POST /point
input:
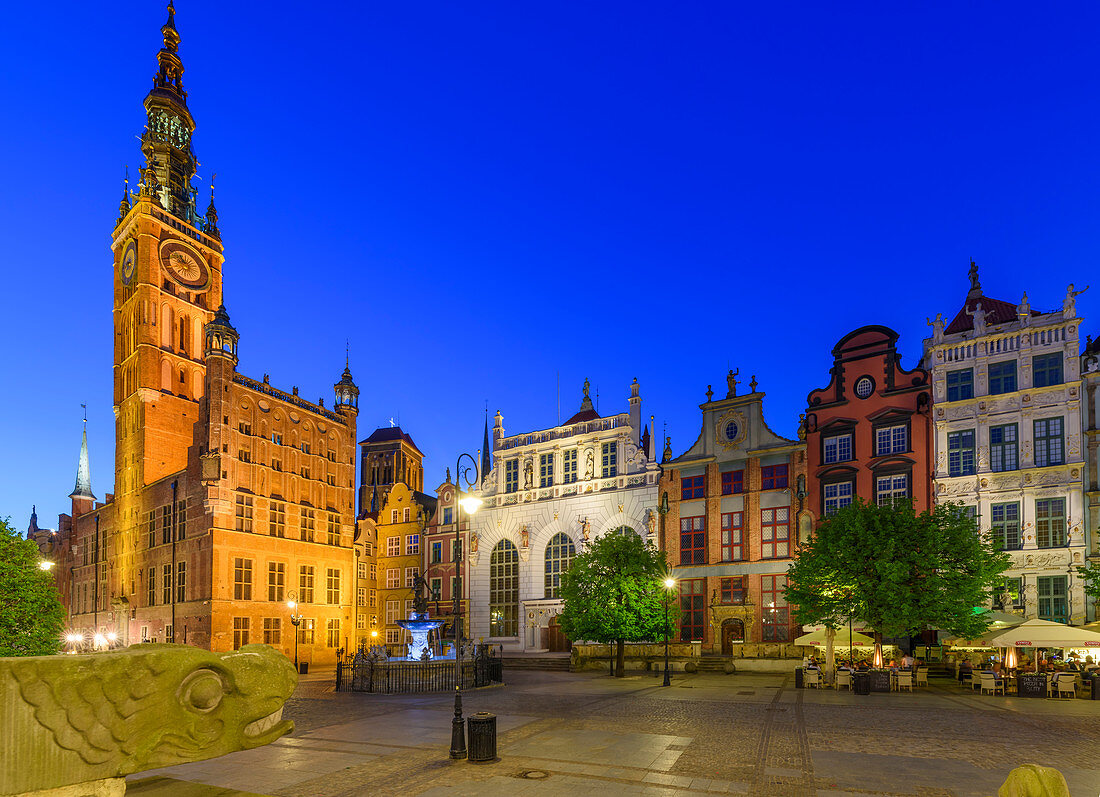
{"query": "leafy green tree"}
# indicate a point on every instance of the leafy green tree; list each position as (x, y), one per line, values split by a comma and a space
(31, 615)
(899, 571)
(614, 593)
(1090, 574)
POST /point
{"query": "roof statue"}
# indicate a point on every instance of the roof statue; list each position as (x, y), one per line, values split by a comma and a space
(731, 383)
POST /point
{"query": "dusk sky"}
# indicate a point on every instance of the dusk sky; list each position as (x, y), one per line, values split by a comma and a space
(484, 198)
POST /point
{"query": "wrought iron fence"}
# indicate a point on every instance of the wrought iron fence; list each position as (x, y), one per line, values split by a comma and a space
(361, 673)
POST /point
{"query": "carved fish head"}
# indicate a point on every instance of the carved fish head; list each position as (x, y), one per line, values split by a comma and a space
(154, 705)
(238, 698)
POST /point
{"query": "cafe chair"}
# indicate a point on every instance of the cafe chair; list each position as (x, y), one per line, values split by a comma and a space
(811, 678)
(990, 683)
(922, 677)
(905, 681)
(1066, 684)
(843, 680)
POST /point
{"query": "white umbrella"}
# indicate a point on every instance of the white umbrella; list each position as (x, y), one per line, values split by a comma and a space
(817, 639)
(1045, 634)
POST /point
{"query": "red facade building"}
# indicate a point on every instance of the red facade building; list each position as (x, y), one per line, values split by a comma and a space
(869, 431)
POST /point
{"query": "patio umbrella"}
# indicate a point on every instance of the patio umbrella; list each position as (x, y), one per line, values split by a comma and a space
(1045, 634)
(817, 639)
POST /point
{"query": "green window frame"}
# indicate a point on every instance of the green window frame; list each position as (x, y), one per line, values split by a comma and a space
(1003, 448)
(1005, 523)
(1050, 448)
(960, 384)
(1053, 597)
(1046, 370)
(1050, 523)
(1002, 377)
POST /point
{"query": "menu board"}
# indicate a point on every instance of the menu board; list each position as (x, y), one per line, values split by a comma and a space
(1033, 685)
(880, 680)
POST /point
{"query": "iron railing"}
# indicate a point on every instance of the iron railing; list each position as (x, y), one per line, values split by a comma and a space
(361, 673)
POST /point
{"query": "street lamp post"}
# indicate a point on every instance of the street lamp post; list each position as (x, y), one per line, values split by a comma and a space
(470, 504)
(295, 620)
(669, 584)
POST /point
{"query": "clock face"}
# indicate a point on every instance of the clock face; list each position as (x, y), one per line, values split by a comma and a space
(129, 261)
(184, 265)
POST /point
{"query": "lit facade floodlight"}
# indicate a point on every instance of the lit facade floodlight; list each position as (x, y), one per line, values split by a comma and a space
(470, 504)
(112, 636)
(45, 564)
(99, 640)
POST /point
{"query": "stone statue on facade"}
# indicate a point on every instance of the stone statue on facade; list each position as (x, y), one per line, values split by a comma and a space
(1069, 306)
(524, 536)
(731, 382)
(937, 327)
(586, 529)
(528, 474)
(979, 319)
(589, 464)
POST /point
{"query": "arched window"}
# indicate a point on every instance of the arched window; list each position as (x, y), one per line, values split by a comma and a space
(559, 555)
(166, 327)
(504, 590)
(185, 334)
(165, 375)
(626, 530)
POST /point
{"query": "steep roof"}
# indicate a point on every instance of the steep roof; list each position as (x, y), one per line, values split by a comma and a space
(996, 312)
(386, 434)
(584, 415)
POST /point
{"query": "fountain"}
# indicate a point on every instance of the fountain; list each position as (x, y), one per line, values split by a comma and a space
(419, 626)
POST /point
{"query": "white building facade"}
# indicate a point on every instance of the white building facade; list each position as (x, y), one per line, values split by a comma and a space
(548, 495)
(1007, 410)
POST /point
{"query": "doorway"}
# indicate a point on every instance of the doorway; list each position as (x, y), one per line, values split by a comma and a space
(557, 641)
(733, 633)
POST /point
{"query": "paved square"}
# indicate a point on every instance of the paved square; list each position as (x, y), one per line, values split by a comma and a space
(561, 733)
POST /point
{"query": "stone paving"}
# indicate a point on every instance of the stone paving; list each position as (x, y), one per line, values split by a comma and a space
(563, 733)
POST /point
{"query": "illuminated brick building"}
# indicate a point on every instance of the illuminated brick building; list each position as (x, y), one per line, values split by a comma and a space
(229, 493)
(731, 526)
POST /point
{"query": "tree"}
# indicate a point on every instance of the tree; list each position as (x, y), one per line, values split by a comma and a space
(31, 614)
(898, 571)
(1090, 575)
(614, 593)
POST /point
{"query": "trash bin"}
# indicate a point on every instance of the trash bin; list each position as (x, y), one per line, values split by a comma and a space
(303, 667)
(1095, 680)
(483, 737)
(799, 674)
(861, 683)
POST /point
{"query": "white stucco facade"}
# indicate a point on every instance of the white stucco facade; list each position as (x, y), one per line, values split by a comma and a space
(588, 477)
(1027, 491)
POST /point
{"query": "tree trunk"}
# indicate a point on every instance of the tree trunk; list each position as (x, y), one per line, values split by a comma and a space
(620, 658)
(830, 655)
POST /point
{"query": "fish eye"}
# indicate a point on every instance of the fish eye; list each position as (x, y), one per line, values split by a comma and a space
(202, 691)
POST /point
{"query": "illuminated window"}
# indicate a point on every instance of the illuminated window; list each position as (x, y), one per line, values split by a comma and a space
(546, 470)
(333, 633)
(305, 631)
(393, 546)
(733, 548)
(504, 590)
(411, 574)
(692, 609)
(1050, 523)
(560, 552)
(393, 577)
(240, 632)
(273, 630)
(511, 476)
(693, 540)
(837, 448)
(609, 459)
(1005, 520)
(775, 533)
(776, 615)
(891, 489)
(569, 466)
(305, 584)
(1053, 599)
(891, 439)
(412, 544)
(1003, 454)
(242, 579)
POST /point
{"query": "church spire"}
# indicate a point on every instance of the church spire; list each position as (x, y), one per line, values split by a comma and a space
(83, 487)
(211, 225)
(124, 205)
(486, 451)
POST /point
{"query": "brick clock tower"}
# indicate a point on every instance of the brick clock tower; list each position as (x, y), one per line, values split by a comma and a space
(167, 285)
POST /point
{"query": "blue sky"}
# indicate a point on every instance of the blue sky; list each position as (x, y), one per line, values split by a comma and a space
(483, 198)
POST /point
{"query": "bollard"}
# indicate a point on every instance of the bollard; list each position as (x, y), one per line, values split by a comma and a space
(482, 732)
(799, 674)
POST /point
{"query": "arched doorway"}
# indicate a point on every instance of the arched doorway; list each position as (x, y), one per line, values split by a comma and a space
(733, 633)
(557, 641)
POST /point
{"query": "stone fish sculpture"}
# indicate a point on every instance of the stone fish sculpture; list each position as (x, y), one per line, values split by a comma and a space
(73, 719)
